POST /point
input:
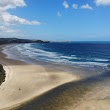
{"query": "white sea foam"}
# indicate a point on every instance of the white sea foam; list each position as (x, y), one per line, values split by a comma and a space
(39, 52)
(102, 60)
(68, 57)
(25, 50)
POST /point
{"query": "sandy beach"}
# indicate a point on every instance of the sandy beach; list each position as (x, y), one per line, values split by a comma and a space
(24, 82)
(35, 87)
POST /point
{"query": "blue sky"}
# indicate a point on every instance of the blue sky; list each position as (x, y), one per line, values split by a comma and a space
(72, 20)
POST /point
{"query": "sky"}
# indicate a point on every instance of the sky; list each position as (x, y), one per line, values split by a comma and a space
(56, 20)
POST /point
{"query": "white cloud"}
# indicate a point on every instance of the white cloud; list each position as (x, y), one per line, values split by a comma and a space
(9, 4)
(65, 4)
(75, 6)
(9, 19)
(7, 30)
(102, 2)
(59, 14)
(86, 6)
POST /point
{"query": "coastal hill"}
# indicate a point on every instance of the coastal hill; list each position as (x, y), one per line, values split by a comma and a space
(16, 40)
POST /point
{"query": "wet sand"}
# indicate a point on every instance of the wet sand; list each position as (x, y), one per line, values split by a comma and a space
(88, 94)
(54, 89)
(24, 81)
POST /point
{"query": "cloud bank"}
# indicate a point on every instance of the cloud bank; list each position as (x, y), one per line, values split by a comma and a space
(7, 19)
(10, 4)
(102, 2)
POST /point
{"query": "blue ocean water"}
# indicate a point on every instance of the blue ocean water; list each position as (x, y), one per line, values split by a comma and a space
(88, 54)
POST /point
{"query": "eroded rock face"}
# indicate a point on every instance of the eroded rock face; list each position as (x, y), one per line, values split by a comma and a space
(2, 74)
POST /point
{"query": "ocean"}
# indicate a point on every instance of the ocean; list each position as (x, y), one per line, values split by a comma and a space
(88, 61)
(82, 54)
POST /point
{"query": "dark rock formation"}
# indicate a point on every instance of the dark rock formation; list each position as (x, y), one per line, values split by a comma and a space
(2, 74)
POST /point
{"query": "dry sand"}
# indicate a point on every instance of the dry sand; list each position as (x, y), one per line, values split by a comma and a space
(24, 81)
(34, 87)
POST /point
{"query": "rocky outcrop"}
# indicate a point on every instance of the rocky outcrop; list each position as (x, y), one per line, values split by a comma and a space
(2, 74)
(16, 40)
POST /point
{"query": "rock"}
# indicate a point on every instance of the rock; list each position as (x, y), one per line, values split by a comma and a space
(2, 74)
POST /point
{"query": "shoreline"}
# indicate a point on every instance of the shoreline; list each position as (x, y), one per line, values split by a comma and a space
(81, 72)
(16, 91)
(40, 87)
